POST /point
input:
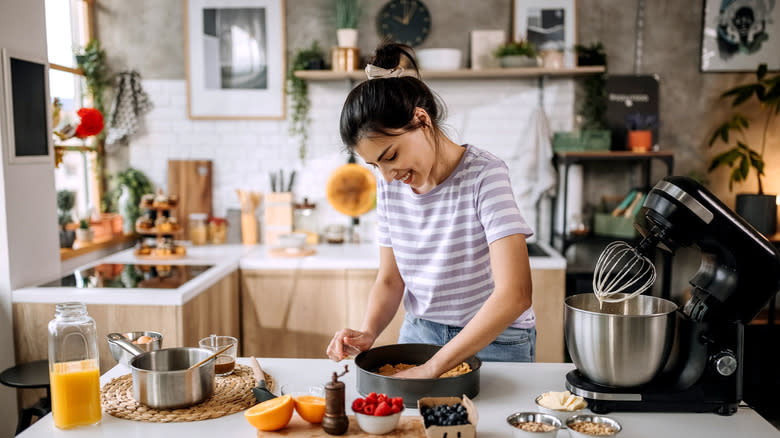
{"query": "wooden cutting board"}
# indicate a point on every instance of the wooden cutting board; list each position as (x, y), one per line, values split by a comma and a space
(408, 426)
(190, 180)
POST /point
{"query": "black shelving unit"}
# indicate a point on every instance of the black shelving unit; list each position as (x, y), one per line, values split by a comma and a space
(645, 159)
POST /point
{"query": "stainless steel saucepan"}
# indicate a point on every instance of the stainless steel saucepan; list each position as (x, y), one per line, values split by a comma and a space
(161, 378)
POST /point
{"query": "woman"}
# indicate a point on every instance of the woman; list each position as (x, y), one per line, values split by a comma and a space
(452, 240)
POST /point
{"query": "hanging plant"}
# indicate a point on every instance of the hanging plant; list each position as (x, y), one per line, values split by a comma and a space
(304, 59)
(92, 61)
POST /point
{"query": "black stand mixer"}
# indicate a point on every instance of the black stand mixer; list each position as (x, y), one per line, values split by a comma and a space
(738, 275)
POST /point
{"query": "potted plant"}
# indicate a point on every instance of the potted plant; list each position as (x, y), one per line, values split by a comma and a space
(83, 233)
(92, 61)
(125, 197)
(310, 58)
(517, 54)
(347, 19)
(759, 209)
(66, 199)
(640, 134)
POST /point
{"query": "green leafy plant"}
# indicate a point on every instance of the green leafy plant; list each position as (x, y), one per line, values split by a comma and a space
(593, 108)
(310, 58)
(516, 48)
(137, 185)
(84, 224)
(347, 14)
(92, 61)
(743, 157)
(66, 199)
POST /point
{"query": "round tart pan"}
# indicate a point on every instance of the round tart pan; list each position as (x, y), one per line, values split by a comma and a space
(411, 390)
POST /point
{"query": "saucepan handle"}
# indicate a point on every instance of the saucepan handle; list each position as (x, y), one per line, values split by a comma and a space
(124, 343)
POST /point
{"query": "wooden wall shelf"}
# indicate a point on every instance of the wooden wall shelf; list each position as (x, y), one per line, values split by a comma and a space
(490, 73)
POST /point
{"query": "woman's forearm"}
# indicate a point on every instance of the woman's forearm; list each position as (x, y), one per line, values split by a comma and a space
(383, 302)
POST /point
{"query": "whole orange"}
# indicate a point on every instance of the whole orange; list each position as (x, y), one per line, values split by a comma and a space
(272, 414)
(310, 407)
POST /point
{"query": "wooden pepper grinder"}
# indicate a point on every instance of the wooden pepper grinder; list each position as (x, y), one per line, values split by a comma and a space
(335, 421)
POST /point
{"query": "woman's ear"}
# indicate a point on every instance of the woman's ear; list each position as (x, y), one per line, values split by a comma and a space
(422, 117)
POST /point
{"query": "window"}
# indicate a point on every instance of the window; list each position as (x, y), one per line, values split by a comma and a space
(68, 25)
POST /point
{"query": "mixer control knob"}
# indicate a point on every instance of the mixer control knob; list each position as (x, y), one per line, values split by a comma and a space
(725, 363)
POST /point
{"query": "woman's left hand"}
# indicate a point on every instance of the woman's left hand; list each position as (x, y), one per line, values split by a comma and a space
(423, 371)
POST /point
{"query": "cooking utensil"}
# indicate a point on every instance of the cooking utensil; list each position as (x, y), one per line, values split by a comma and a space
(124, 357)
(622, 272)
(411, 390)
(211, 356)
(261, 390)
(161, 378)
(621, 344)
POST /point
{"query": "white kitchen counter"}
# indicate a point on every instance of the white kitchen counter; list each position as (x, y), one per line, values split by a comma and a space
(505, 388)
(226, 259)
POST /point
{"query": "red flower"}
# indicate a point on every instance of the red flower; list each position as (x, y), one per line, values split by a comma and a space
(91, 122)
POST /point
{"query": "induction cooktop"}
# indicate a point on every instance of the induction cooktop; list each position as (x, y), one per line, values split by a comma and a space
(130, 276)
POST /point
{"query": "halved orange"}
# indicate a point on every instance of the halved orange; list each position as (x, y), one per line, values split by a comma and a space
(272, 414)
(310, 407)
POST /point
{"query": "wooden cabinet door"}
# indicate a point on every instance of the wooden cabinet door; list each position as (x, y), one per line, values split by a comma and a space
(292, 313)
(359, 283)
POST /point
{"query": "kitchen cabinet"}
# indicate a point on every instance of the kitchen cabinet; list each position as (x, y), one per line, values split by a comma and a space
(294, 313)
(215, 310)
(645, 160)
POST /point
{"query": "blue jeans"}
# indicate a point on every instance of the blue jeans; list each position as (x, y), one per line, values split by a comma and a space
(512, 345)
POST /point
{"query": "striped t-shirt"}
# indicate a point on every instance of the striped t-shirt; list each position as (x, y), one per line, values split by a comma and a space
(440, 239)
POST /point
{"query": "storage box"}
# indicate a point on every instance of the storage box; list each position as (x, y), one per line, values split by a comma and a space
(461, 430)
(580, 141)
(604, 224)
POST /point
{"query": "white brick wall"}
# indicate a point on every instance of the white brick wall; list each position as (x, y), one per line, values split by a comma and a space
(492, 114)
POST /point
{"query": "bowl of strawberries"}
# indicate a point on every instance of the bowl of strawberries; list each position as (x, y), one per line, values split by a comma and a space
(377, 414)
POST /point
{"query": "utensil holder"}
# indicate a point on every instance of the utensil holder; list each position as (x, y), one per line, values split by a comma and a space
(278, 216)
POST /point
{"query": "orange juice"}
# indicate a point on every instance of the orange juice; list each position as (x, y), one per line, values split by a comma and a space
(75, 393)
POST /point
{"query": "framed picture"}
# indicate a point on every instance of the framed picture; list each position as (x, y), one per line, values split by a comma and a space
(547, 24)
(25, 81)
(235, 55)
(738, 35)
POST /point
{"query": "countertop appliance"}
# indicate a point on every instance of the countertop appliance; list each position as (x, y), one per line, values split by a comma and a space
(129, 276)
(738, 275)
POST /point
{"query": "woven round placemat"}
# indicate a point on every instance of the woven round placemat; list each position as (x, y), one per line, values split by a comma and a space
(232, 394)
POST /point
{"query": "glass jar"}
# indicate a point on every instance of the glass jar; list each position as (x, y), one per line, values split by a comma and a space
(74, 369)
(305, 221)
(218, 230)
(198, 231)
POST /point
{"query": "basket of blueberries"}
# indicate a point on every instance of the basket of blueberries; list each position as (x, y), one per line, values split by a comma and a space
(448, 416)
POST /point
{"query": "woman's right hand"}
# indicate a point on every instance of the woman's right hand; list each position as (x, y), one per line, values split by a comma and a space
(348, 342)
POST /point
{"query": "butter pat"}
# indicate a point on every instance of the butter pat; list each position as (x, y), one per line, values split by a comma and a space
(562, 401)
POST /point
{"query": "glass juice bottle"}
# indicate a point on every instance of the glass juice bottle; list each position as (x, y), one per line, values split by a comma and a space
(74, 371)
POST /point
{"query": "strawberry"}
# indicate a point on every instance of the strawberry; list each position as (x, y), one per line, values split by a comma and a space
(369, 409)
(383, 409)
(358, 405)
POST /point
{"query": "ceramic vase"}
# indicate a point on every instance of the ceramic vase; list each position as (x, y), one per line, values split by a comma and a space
(347, 37)
(640, 141)
(127, 210)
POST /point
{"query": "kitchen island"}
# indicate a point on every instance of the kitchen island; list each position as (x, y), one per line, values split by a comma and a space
(505, 388)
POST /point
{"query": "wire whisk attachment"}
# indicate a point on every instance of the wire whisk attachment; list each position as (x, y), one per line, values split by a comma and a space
(622, 269)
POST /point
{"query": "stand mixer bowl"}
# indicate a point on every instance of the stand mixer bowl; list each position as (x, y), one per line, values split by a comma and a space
(623, 344)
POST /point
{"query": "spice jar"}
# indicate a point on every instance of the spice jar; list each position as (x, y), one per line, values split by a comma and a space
(74, 373)
(198, 232)
(217, 230)
(305, 221)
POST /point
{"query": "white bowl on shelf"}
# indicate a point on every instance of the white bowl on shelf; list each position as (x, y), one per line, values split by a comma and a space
(292, 241)
(439, 59)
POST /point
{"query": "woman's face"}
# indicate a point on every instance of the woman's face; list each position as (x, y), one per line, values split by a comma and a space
(408, 157)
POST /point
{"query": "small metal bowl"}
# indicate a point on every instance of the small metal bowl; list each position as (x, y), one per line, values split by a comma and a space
(559, 414)
(597, 419)
(123, 357)
(518, 418)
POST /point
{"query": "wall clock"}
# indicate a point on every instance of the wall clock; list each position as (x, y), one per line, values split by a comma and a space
(404, 21)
